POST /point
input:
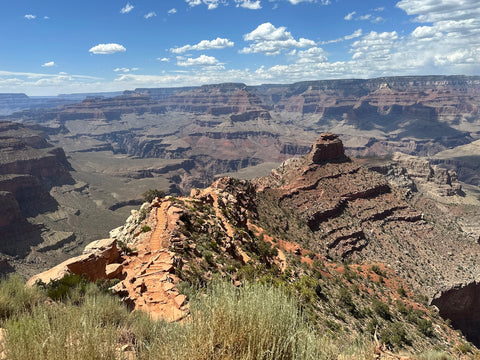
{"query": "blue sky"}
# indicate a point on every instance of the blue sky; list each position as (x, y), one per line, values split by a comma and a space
(49, 47)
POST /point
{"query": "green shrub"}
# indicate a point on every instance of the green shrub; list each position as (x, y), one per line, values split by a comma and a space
(394, 335)
(146, 228)
(372, 326)
(255, 322)
(125, 248)
(381, 309)
(209, 258)
(348, 273)
(151, 194)
(345, 300)
(401, 291)
(463, 348)
(62, 288)
(305, 288)
(376, 269)
(53, 332)
(425, 327)
(265, 250)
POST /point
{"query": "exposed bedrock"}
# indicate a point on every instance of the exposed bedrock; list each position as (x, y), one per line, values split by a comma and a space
(294, 149)
(29, 168)
(343, 209)
(461, 304)
(328, 147)
(438, 180)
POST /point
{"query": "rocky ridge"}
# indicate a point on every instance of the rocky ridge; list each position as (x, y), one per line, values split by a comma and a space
(325, 207)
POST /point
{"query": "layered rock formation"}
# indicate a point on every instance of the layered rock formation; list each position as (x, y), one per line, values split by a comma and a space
(324, 206)
(269, 123)
(10, 103)
(342, 209)
(327, 148)
(29, 167)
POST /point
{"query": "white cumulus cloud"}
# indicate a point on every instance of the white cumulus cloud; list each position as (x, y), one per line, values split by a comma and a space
(357, 33)
(202, 60)
(375, 46)
(125, 70)
(127, 8)
(49, 64)
(270, 40)
(110, 48)
(312, 55)
(163, 59)
(214, 44)
(323, 2)
(30, 16)
(172, 11)
(211, 4)
(440, 10)
(249, 4)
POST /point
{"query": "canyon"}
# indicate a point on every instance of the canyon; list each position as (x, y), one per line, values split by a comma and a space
(410, 198)
(320, 211)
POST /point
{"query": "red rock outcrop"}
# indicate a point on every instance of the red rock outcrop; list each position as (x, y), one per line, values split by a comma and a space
(93, 263)
(328, 147)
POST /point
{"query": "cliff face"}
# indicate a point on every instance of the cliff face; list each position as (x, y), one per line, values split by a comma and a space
(25, 151)
(10, 103)
(29, 167)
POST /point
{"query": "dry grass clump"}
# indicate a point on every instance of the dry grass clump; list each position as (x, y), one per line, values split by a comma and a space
(15, 298)
(88, 331)
(250, 323)
(253, 322)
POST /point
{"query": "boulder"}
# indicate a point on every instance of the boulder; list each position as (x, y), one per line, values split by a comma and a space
(91, 265)
(106, 248)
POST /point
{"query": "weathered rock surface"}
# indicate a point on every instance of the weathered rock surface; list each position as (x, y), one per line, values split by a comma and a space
(461, 304)
(106, 248)
(29, 167)
(93, 263)
(328, 147)
(464, 160)
(342, 209)
(437, 180)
